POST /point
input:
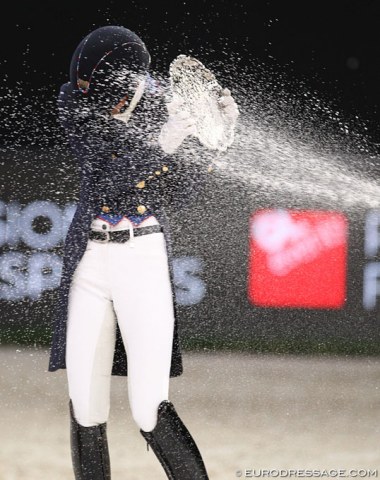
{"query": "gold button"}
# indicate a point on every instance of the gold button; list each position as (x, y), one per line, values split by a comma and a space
(141, 209)
(165, 168)
(210, 168)
(157, 172)
(105, 209)
(141, 184)
(113, 156)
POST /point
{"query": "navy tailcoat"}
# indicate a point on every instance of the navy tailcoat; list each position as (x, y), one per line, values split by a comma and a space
(123, 167)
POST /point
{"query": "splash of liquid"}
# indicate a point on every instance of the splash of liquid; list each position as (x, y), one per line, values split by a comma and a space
(289, 145)
(294, 146)
(268, 159)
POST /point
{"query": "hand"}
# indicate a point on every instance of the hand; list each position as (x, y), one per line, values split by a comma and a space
(177, 128)
(228, 104)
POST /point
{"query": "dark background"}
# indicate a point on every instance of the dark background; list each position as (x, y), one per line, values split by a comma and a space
(331, 48)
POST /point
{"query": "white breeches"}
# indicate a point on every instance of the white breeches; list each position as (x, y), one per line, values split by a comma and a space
(130, 280)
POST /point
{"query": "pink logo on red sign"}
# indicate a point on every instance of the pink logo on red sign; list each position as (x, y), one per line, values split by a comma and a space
(298, 259)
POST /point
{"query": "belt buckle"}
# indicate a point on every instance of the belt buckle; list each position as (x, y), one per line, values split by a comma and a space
(107, 239)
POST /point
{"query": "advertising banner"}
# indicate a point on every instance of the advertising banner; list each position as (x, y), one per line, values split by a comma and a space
(269, 275)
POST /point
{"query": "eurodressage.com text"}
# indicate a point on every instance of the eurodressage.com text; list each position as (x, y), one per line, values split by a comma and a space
(302, 473)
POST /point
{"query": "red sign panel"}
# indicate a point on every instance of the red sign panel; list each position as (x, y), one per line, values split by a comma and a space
(297, 259)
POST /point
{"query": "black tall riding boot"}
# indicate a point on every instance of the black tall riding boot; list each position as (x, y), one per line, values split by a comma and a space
(174, 446)
(89, 451)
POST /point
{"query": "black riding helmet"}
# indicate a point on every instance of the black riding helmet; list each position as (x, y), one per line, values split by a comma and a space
(107, 65)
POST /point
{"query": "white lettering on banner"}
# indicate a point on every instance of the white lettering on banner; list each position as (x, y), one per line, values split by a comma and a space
(371, 276)
(18, 223)
(372, 234)
(371, 285)
(9, 228)
(43, 241)
(190, 287)
(13, 276)
(289, 243)
(28, 275)
(44, 273)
